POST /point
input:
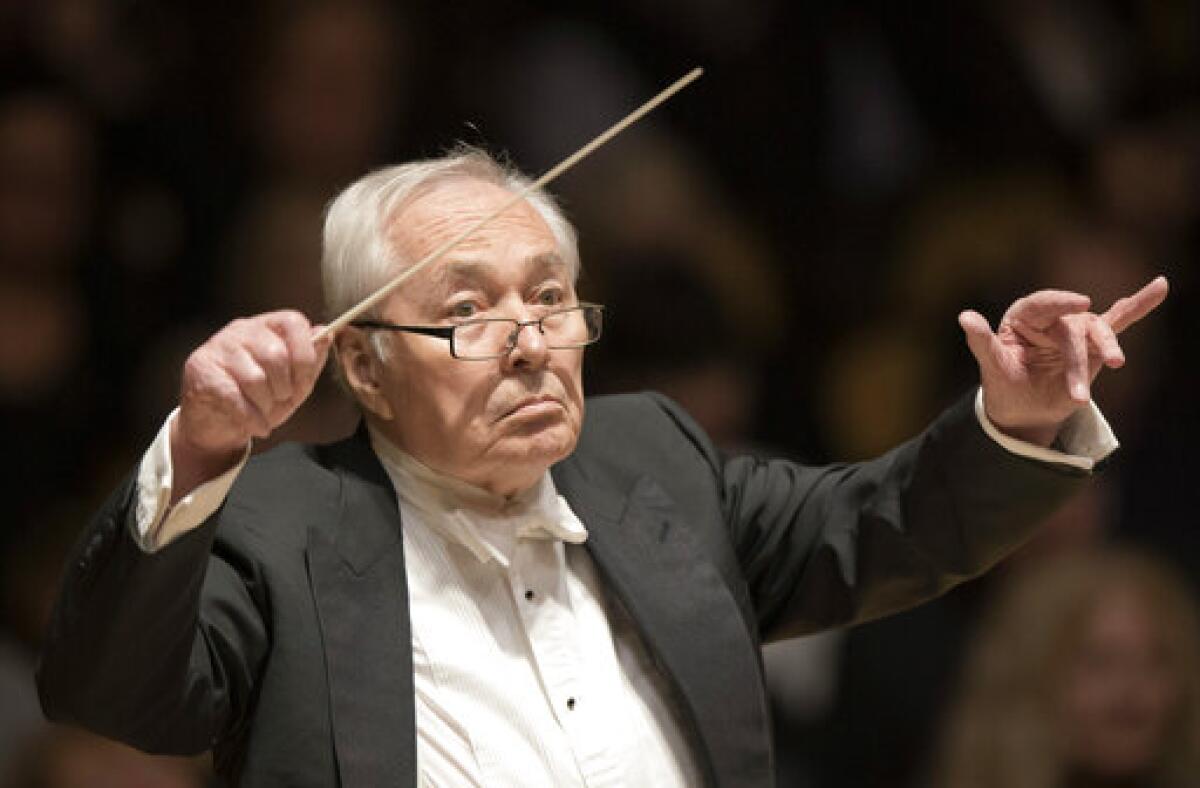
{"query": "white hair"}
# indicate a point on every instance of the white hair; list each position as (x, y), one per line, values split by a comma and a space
(357, 254)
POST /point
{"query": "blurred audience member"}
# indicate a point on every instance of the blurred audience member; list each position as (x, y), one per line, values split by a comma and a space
(275, 255)
(574, 81)
(680, 208)
(48, 382)
(686, 346)
(1085, 675)
(1146, 178)
(971, 238)
(969, 241)
(99, 48)
(890, 356)
(45, 168)
(329, 92)
(47, 163)
(875, 138)
(1074, 56)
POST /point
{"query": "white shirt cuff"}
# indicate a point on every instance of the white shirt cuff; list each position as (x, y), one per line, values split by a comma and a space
(157, 523)
(1085, 438)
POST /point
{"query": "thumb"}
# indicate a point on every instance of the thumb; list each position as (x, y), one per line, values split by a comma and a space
(312, 370)
(322, 339)
(979, 336)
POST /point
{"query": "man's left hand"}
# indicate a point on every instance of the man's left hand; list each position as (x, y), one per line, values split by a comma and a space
(1037, 368)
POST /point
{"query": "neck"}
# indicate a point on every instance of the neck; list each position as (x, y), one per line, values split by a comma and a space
(487, 498)
(514, 487)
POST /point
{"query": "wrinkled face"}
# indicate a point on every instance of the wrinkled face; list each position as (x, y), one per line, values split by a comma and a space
(1120, 691)
(501, 423)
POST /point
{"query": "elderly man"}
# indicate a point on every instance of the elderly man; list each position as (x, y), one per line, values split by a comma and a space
(484, 586)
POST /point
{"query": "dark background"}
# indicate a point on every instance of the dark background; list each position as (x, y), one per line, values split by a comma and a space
(784, 247)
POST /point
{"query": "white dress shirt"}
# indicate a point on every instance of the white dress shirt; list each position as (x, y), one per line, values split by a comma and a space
(526, 673)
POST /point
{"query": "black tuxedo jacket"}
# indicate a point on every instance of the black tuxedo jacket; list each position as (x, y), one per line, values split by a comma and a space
(277, 633)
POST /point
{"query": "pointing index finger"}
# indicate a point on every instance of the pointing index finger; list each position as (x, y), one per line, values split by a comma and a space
(1130, 309)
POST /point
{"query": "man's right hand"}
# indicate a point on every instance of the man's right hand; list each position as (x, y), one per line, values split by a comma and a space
(242, 383)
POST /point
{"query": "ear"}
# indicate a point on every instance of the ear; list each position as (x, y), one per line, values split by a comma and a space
(363, 372)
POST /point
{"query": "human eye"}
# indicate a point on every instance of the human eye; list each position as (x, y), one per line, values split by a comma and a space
(463, 309)
(551, 296)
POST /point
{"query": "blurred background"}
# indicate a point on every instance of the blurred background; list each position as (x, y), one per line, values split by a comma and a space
(783, 248)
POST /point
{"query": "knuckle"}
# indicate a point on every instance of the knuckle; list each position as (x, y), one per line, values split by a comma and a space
(200, 370)
(290, 320)
(227, 390)
(294, 318)
(253, 375)
(275, 353)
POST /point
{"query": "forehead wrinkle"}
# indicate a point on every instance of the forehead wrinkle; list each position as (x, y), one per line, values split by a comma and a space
(451, 205)
(438, 214)
(420, 225)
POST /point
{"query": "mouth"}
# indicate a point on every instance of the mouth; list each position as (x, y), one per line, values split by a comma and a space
(533, 407)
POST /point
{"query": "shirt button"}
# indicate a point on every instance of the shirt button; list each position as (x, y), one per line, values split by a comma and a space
(529, 595)
(571, 704)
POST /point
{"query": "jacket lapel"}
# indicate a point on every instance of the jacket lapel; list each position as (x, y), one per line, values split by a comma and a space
(358, 581)
(687, 617)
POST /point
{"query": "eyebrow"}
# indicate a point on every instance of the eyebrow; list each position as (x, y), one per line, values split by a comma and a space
(471, 270)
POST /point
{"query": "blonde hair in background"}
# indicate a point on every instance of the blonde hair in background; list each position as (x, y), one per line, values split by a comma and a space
(1001, 731)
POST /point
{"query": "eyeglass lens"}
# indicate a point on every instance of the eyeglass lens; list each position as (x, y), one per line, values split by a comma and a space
(569, 328)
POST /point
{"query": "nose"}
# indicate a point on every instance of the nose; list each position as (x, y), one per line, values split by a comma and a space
(529, 347)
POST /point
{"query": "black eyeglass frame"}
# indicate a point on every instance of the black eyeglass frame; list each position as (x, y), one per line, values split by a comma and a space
(447, 332)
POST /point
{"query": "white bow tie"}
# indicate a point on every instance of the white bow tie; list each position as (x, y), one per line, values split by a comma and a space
(494, 537)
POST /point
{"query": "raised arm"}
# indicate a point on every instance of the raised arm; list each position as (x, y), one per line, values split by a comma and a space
(159, 644)
(828, 546)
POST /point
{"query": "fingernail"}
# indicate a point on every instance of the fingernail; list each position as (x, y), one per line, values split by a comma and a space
(1079, 392)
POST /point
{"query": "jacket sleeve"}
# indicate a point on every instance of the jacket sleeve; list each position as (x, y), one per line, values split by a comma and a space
(821, 547)
(159, 650)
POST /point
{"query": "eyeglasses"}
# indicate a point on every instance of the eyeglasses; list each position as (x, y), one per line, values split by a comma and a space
(494, 337)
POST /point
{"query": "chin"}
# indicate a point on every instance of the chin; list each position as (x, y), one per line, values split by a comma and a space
(544, 446)
(520, 458)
